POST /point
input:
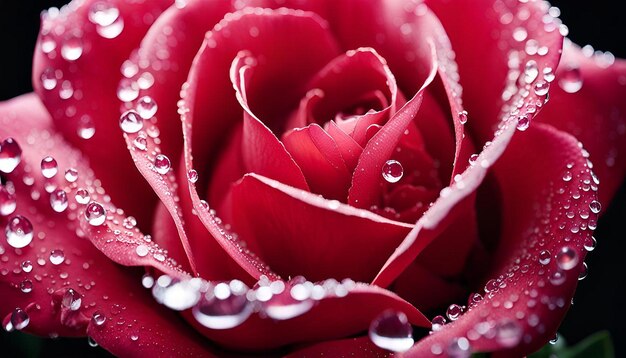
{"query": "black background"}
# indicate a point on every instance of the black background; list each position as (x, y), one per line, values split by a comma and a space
(600, 302)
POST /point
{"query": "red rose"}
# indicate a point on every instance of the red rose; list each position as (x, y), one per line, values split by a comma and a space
(409, 146)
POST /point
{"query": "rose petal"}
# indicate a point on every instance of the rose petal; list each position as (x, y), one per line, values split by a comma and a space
(594, 113)
(213, 116)
(84, 67)
(36, 278)
(298, 228)
(524, 307)
(351, 311)
(361, 346)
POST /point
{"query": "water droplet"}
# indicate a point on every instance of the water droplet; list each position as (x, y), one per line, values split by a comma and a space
(557, 278)
(111, 31)
(57, 257)
(541, 88)
(508, 333)
(26, 286)
(134, 337)
(86, 128)
(131, 122)
(71, 175)
(224, 307)
(392, 331)
(58, 201)
(92, 342)
(71, 300)
(142, 250)
(103, 13)
(19, 232)
(192, 176)
(82, 196)
(463, 117)
(95, 214)
(459, 348)
(544, 257)
(27, 266)
(567, 258)
(583, 272)
(127, 90)
(177, 294)
(531, 71)
(140, 143)
(8, 203)
(10, 155)
(98, 318)
(48, 44)
(473, 158)
(162, 164)
(48, 79)
(437, 323)
(146, 107)
(590, 243)
(571, 80)
(72, 48)
(19, 319)
(555, 339)
(523, 122)
(49, 167)
(453, 312)
(392, 171)
(147, 281)
(595, 206)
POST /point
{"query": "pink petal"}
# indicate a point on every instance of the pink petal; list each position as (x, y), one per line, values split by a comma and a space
(594, 113)
(300, 233)
(84, 68)
(36, 278)
(361, 347)
(524, 307)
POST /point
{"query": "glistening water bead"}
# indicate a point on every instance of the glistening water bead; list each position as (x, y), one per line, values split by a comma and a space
(8, 203)
(49, 167)
(162, 164)
(19, 232)
(146, 107)
(392, 331)
(10, 155)
(131, 122)
(95, 214)
(392, 171)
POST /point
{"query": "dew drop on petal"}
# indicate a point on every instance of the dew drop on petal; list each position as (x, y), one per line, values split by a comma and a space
(595, 206)
(590, 243)
(162, 164)
(192, 176)
(71, 300)
(392, 171)
(95, 214)
(58, 201)
(27, 266)
(57, 257)
(98, 318)
(541, 88)
(140, 143)
(531, 71)
(8, 203)
(131, 122)
(523, 122)
(19, 232)
(177, 294)
(463, 117)
(82, 196)
(571, 80)
(544, 257)
(26, 286)
(146, 107)
(453, 312)
(567, 258)
(583, 272)
(111, 31)
(72, 48)
(49, 167)
(19, 319)
(92, 342)
(127, 90)
(103, 13)
(224, 307)
(437, 323)
(392, 331)
(48, 79)
(10, 155)
(71, 175)
(142, 250)
(86, 128)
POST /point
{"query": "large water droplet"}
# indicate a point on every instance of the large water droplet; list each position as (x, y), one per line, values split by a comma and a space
(72, 48)
(162, 164)
(541, 88)
(103, 13)
(98, 318)
(590, 243)
(392, 331)
(111, 31)
(392, 171)
(19, 319)
(595, 206)
(523, 122)
(437, 323)
(140, 142)
(82, 196)
(544, 257)
(127, 90)
(131, 122)
(71, 300)
(26, 286)
(57, 257)
(10, 155)
(85, 128)
(226, 306)
(567, 258)
(95, 214)
(8, 203)
(146, 107)
(71, 175)
(192, 176)
(176, 294)
(571, 80)
(48, 78)
(19, 232)
(49, 167)
(27, 266)
(58, 201)
(454, 311)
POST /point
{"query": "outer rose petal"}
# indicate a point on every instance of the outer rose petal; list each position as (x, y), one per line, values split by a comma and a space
(85, 89)
(524, 307)
(595, 114)
(361, 347)
(101, 284)
(330, 318)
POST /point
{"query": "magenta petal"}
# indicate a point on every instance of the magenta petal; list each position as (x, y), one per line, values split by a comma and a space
(361, 347)
(522, 309)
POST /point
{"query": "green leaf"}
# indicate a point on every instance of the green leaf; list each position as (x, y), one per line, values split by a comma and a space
(598, 345)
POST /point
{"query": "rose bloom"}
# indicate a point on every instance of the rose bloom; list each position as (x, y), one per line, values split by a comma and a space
(300, 177)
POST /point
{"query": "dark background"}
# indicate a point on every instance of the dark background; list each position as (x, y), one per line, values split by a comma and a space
(600, 299)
